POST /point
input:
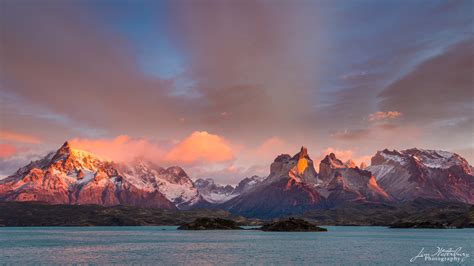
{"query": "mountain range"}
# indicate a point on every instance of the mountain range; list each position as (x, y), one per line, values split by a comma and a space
(76, 177)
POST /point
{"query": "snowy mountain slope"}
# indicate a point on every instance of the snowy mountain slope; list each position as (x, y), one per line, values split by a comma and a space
(71, 176)
(417, 173)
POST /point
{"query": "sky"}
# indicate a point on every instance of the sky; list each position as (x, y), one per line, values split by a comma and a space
(223, 87)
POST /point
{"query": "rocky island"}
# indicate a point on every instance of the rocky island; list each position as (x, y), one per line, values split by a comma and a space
(210, 224)
(292, 225)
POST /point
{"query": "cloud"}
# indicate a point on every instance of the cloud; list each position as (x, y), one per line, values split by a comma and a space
(440, 88)
(22, 156)
(353, 75)
(234, 54)
(18, 137)
(7, 150)
(271, 147)
(353, 134)
(201, 147)
(41, 64)
(378, 116)
(120, 148)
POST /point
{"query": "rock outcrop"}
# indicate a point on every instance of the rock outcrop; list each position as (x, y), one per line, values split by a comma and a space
(292, 225)
(210, 224)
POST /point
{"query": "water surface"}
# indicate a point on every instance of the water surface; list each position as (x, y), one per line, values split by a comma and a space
(167, 246)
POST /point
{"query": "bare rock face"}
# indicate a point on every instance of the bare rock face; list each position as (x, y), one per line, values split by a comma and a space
(344, 182)
(327, 167)
(299, 168)
(339, 191)
(71, 176)
(430, 174)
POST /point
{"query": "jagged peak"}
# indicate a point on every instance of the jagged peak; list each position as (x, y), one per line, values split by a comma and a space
(302, 158)
(66, 145)
(332, 160)
(68, 159)
(176, 170)
(63, 151)
(303, 152)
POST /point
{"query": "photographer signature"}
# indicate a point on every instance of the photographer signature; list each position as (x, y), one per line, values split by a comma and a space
(442, 255)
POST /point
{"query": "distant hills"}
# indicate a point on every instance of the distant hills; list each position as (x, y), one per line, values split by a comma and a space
(293, 187)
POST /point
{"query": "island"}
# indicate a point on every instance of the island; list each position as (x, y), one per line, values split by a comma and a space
(210, 224)
(292, 225)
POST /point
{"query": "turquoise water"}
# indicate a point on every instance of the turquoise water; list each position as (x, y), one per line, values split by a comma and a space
(164, 245)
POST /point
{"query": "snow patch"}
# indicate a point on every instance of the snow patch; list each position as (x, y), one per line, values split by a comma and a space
(379, 171)
(88, 176)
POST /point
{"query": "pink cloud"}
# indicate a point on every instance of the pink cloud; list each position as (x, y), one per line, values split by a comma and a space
(121, 148)
(7, 150)
(18, 137)
(271, 147)
(377, 116)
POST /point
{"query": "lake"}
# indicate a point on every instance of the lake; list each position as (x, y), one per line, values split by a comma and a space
(165, 245)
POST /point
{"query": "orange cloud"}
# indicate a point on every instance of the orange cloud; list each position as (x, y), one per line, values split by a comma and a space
(377, 116)
(200, 146)
(7, 150)
(197, 147)
(18, 137)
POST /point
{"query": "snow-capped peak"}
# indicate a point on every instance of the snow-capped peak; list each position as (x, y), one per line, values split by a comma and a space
(427, 158)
